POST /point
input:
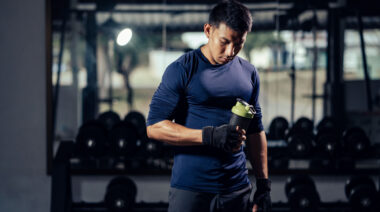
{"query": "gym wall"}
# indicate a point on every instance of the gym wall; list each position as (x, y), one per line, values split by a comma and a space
(24, 185)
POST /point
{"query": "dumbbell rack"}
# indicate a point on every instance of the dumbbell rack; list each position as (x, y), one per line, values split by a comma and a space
(61, 199)
(100, 207)
(162, 207)
(61, 195)
(354, 166)
(338, 165)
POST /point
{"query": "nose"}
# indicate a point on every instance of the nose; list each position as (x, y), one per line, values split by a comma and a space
(230, 50)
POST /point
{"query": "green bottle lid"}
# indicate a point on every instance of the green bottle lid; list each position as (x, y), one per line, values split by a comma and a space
(243, 109)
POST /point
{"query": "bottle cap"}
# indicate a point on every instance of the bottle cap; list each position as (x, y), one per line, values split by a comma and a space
(243, 109)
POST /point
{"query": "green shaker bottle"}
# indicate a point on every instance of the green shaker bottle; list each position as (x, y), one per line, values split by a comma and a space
(242, 114)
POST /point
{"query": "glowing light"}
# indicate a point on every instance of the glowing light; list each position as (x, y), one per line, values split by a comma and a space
(124, 37)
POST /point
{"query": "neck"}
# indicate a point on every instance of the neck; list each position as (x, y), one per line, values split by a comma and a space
(206, 52)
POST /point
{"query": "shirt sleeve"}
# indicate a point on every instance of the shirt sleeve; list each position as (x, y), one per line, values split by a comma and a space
(256, 123)
(168, 94)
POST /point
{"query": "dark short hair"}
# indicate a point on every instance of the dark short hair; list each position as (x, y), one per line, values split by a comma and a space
(233, 13)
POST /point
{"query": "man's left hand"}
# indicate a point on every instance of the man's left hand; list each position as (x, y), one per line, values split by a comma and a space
(261, 199)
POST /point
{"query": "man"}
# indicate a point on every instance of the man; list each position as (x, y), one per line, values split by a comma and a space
(191, 110)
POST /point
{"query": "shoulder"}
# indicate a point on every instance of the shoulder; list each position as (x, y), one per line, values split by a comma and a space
(188, 59)
(180, 70)
(185, 63)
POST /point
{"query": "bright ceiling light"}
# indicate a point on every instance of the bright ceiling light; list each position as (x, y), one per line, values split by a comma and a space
(124, 37)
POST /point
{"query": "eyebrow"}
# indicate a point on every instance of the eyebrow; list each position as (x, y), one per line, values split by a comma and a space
(240, 42)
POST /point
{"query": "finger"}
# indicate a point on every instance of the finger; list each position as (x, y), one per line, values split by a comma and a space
(255, 207)
(232, 128)
(243, 137)
(242, 131)
(235, 136)
(238, 137)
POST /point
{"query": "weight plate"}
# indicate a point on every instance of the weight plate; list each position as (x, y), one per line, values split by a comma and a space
(303, 198)
(109, 119)
(118, 201)
(277, 128)
(363, 197)
(300, 145)
(327, 123)
(91, 139)
(357, 181)
(120, 195)
(153, 148)
(356, 141)
(298, 180)
(124, 139)
(304, 125)
(327, 141)
(138, 120)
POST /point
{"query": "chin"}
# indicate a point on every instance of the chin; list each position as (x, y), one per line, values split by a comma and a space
(224, 61)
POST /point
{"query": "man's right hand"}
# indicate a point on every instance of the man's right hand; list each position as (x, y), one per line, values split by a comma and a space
(226, 137)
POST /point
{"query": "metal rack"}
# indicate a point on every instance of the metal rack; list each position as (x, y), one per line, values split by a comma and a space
(61, 200)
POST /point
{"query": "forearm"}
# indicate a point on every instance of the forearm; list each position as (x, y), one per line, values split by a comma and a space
(174, 134)
(257, 154)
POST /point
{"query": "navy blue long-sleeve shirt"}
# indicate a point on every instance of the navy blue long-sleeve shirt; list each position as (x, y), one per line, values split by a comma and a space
(195, 93)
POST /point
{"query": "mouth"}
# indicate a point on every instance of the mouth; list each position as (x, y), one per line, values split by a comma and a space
(226, 59)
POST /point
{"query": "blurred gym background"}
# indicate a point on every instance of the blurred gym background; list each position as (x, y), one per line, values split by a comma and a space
(77, 77)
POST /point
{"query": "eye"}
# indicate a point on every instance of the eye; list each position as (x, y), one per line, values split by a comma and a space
(223, 42)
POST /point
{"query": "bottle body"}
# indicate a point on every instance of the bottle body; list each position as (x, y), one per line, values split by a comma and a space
(242, 114)
(240, 121)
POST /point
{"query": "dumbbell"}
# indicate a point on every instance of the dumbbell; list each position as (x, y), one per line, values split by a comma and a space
(153, 148)
(138, 120)
(301, 193)
(356, 141)
(124, 139)
(277, 158)
(361, 193)
(327, 141)
(300, 145)
(120, 195)
(303, 124)
(109, 119)
(327, 123)
(92, 139)
(300, 138)
(277, 128)
(328, 136)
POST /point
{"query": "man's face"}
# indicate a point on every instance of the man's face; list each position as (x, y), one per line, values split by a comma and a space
(224, 43)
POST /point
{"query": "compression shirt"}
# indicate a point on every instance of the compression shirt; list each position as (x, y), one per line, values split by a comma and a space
(195, 93)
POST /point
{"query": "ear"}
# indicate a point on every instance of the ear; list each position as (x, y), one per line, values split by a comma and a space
(207, 30)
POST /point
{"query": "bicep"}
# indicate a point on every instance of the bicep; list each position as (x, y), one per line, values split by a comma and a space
(256, 123)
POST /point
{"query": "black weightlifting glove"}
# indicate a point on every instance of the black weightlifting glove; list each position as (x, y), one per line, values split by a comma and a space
(224, 137)
(262, 195)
